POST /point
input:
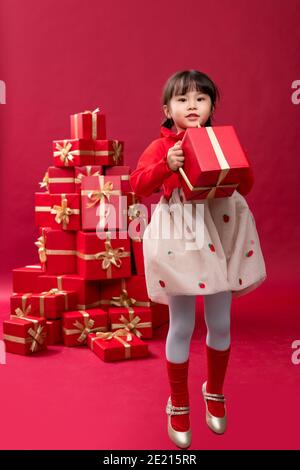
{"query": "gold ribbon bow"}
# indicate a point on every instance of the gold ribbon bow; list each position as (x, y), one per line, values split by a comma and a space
(97, 110)
(116, 335)
(117, 148)
(45, 182)
(20, 312)
(84, 328)
(79, 177)
(132, 324)
(38, 337)
(123, 300)
(62, 212)
(64, 152)
(100, 195)
(41, 244)
(134, 212)
(111, 256)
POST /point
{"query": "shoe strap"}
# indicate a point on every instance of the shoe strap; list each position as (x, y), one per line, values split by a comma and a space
(177, 410)
(214, 397)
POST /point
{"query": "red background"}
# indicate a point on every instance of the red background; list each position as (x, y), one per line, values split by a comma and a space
(58, 57)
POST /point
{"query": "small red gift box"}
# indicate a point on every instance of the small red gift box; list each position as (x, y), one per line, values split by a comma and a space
(136, 320)
(117, 345)
(215, 163)
(24, 335)
(88, 125)
(109, 152)
(65, 211)
(83, 171)
(61, 180)
(123, 172)
(57, 251)
(25, 279)
(105, 255)
(79, 324)
(100, 201)
(42, 209)
(20, 304)
(88, 292)
(73, 152)
(54, 331)
(51, 304)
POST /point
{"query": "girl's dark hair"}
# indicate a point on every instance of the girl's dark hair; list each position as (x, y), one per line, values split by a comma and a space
(181, 82)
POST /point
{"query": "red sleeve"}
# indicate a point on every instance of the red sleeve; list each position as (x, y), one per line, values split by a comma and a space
(151, 171)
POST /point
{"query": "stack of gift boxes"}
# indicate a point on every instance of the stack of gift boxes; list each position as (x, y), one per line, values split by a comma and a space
(89, 287)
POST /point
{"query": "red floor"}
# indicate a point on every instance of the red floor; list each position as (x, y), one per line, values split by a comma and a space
(68, 398)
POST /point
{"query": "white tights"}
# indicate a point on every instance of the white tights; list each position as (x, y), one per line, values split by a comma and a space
(182, 322)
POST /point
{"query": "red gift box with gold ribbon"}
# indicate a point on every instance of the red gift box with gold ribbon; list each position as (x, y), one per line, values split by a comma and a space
(61, 180)
(57, 251)
(21, 305)
(52, 303)
(107, 257)
(215, 163)
(77, 325)
(83, 171)
(109, 152)
(136, 320)
(24, 335)
(25, 279)
(101, 203)
(88, 125)
(123, 172)
(73, 152)
(42, 208)
(65, 211)
(117, 345)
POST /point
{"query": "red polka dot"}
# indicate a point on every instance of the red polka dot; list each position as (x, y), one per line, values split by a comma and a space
(201, 285)
(240, 281)
(226, 218)
(211, 246)
(252, 242)
(162, 283)
(249, 253)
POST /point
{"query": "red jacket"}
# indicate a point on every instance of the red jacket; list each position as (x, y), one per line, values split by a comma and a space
(152, 171)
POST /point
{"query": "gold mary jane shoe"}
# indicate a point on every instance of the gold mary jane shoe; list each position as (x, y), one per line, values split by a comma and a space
(215, 423)
(181, 439)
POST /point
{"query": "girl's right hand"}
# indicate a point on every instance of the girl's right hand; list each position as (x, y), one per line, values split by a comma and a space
(175, 157)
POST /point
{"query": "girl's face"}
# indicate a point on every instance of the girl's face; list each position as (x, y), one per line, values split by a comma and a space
(189, 110)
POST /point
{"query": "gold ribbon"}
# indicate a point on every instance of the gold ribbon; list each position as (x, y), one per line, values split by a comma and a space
(94, 122)
(64, 152)
(124, 300)
(63, 212)
(36, 337)
(115, 335)
(43, 252)
(117, 148)
(54, 291)
(132, 324)
(85, 328)
(23, 311)
(224, 165)
(45, 182)
(79, 177)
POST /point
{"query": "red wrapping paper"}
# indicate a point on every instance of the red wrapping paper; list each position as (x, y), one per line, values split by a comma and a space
(54, 331)
(88, 125)
(21, 304)
(109, 152)
(25, 279)
(215, 163)
(51, 304)
(138, 256)
(65, 211)
(24, 335)
(136, 320)
(77, 325)
(118, 348)
(83, 171)
(104, 258)
(123, 172)
(73, 152)
(57, 251)
(137, 216)
(42, 209)
(101, 203)
(61, 180)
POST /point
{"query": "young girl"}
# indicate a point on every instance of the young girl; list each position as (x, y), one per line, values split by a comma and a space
(228, 263)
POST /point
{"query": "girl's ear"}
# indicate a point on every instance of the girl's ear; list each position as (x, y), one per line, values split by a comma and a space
(166, 111)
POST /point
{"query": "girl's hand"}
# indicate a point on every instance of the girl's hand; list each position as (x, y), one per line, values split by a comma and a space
(175, 157)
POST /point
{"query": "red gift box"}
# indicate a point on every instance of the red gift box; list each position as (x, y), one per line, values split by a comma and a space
(57, 251)
(109, 152)
(100, 202)
(83, 171)
(61, 180)
(73, 152)
(79, 324)
(51, 304)
(54, 331)
(42, 209)
(136, 320)
(25, 335)
(117, 345)
(65, 211)
(123, 172)
(25, 279)
(88, 125)
(103, 258)
(88, 292)
(20, 305)
(132, 292)
(215, 163)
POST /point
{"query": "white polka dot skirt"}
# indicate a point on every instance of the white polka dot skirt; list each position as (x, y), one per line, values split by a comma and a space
(202, 247)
